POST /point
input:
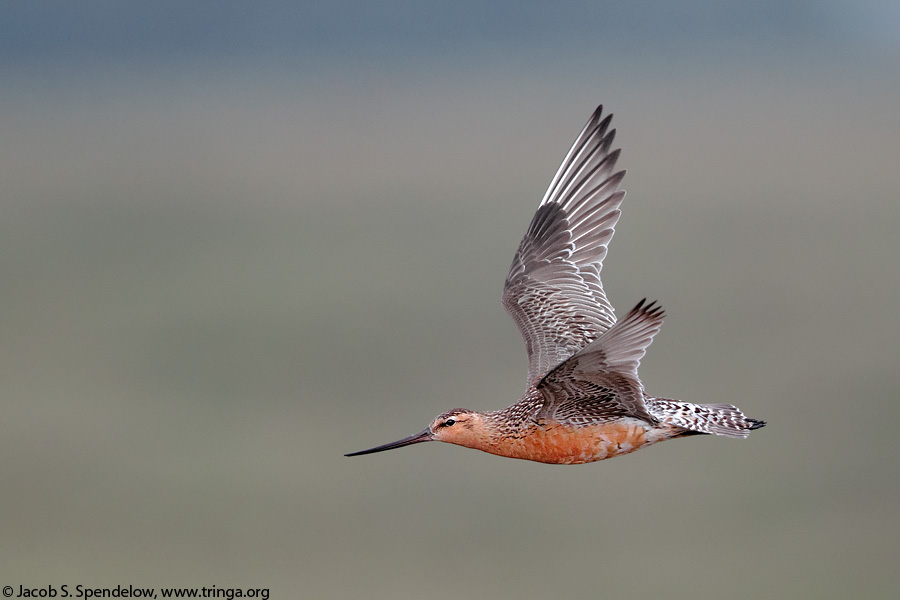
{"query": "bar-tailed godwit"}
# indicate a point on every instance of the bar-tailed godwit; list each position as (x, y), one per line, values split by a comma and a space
(584, 401)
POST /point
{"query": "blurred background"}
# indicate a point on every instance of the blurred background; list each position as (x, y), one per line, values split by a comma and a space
(239, 240)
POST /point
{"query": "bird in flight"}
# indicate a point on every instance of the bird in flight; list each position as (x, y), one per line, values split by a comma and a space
(584, 400)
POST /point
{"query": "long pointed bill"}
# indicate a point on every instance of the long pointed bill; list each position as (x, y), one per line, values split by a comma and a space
(422, 436)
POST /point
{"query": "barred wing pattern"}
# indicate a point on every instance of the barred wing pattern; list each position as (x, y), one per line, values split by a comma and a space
(553, 291)
(600, 382)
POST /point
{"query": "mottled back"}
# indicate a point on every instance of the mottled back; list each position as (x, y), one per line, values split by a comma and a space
(600, 383)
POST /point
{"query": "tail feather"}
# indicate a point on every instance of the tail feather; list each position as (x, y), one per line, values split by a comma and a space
(718, 419)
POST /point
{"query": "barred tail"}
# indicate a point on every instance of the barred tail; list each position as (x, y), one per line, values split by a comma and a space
(720, 419)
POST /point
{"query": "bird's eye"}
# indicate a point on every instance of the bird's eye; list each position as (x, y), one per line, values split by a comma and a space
(449, 422)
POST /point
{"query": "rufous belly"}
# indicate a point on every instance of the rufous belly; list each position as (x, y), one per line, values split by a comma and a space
(569, 445)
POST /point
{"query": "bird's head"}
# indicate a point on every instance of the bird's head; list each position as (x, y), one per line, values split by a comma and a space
(458, 426)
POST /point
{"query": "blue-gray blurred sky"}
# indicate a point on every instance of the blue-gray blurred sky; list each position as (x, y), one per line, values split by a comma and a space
(331, 34)
(240, 239)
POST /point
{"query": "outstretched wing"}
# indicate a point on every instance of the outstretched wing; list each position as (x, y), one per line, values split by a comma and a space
(553, 291)
(600, 382)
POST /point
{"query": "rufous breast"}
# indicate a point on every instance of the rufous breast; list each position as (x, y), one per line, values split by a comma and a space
(550, 442)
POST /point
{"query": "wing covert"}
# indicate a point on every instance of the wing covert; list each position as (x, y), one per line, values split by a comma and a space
(600, 382)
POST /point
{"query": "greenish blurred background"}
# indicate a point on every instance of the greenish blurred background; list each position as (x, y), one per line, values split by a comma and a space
(239, 240)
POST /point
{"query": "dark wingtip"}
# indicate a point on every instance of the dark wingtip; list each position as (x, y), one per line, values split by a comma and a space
(653, 309)
(756, 424)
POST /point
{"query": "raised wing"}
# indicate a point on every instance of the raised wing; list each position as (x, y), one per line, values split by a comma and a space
(553, 291)
(600, 382)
